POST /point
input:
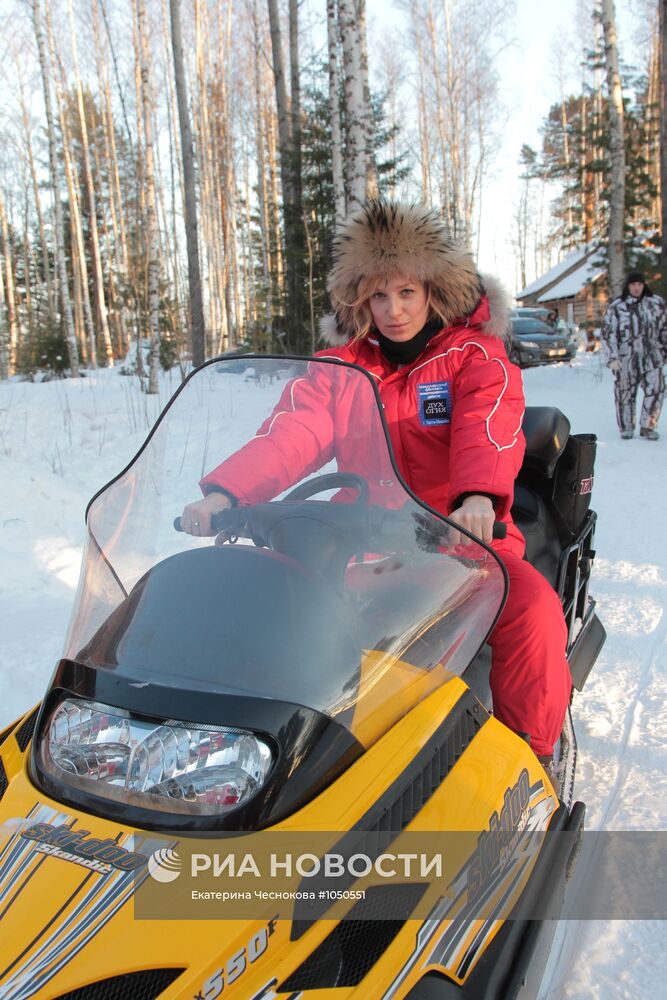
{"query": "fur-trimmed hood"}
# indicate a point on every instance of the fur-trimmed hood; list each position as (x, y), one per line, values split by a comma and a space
(387, 238)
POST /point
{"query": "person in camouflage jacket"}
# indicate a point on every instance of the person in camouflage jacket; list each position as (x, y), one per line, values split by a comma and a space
(634, 336)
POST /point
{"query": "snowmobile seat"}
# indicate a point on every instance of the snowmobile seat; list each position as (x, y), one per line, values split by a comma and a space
(532, 518)
(546, 430)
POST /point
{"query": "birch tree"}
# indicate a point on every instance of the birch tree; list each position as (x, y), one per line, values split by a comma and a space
(44, 249)
(66, 306)
(663, 138)
(152, 236)
(458, 50)
(290, 158)
(617, 142)
(197, 328)
(4, 333)
(355, 109)
(334, 101)
(10, 338)
(96, 262)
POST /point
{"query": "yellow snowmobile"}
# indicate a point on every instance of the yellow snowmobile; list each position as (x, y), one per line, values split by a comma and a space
(269, 768)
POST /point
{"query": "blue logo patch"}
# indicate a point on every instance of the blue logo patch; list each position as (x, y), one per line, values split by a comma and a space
(435, 403)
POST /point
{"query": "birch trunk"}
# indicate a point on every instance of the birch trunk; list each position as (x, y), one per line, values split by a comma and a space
(371, 170)
(83, 315)
(290, 175)
(274, 213)
(295, 109)
(117, 251)
(30, 266)
(284, 132)
(356, 165)
(70, 336)
(334, 104)
(217, 322)
(424, 130)
(4, 333)
(96, 263)
(652, 141)
(9, 292)
(197, 328)
(249, 287)
(566, 153)
(44, 249)
(617, 142)
(663, 138)
(445, 195)
(454, 138)
(152, 236)
(262, 187)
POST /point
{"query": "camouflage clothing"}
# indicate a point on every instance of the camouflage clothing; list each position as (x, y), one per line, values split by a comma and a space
(634, 337)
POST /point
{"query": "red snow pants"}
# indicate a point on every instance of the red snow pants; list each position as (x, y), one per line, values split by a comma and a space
(530, 677)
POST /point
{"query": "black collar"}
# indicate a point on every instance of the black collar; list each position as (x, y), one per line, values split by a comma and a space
(406, 351)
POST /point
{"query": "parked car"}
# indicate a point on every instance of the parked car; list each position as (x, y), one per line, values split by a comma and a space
(536, 312)
(534, 342)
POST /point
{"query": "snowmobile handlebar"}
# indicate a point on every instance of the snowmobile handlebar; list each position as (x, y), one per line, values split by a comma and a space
(324, 536)
(259, 521)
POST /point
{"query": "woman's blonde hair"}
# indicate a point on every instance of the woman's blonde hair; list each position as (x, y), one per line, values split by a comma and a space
(360, 309)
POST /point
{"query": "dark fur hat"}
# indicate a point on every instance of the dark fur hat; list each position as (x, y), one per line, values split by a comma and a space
(386, 238)
(631, 278)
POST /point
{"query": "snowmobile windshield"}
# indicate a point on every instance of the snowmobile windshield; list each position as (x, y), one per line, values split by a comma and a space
(335, 589)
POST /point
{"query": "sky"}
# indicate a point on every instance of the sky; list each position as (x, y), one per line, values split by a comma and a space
(61, 441)
(544, 48)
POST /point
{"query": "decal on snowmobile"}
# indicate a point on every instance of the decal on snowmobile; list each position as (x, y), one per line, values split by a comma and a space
(496, 845)
(235, 966)
(91, 852)
(86, 910)
(458, 944)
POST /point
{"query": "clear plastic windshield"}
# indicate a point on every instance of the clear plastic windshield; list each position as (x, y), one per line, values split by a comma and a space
(345, 595)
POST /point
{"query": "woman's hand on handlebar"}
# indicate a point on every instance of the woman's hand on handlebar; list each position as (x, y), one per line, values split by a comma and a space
(196, 517)
(476, 515)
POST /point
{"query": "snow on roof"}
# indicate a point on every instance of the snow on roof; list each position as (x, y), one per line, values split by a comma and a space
(570, 260)
(572, 283)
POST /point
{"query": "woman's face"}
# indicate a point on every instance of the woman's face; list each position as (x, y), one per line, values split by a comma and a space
(400, 308)
(636, 288)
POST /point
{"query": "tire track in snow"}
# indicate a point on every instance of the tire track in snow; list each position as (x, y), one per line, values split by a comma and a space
(647, 673)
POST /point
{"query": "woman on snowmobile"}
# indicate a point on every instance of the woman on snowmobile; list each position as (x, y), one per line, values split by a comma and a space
(411, 309)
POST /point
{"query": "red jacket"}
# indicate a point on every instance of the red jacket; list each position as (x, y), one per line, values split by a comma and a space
(454, 417)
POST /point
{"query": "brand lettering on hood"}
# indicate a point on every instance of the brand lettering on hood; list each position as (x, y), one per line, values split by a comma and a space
(496, 845)
(99, 854)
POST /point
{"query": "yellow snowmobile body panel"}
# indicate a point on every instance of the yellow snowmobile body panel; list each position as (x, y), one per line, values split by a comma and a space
(68, 920)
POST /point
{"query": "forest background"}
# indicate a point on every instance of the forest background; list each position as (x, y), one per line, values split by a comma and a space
(171, 171)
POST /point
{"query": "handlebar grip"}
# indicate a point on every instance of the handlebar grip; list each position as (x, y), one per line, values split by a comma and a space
(499, 529)
(231, 519)
(219, 521)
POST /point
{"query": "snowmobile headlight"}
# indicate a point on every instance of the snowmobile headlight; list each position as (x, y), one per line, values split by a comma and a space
(171, 766)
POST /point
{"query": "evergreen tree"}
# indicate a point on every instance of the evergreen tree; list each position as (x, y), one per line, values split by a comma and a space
(576, 155)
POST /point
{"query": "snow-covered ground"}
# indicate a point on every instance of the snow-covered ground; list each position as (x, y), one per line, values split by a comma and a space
(60, 441)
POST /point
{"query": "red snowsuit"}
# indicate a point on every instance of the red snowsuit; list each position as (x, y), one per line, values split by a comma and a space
(477, 450)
